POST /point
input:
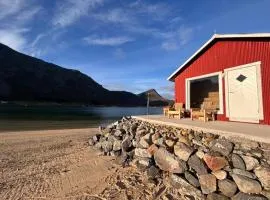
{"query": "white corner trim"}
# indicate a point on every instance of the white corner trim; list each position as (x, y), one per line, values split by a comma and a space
(259, 87)
(220, 76)
(216, 36)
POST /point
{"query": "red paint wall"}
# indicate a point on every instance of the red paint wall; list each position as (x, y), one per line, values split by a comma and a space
(225, 54)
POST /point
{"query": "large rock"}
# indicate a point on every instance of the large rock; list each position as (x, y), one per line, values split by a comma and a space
(215, 196)
(263, 174)
(183, 151)
(244, 173)
(192, 179)
(208, 183)
(107, 146)
(127, 144)
(142, 153)
(152, 149)
(143, 143)
(238, 162)
(167, 162)
(197, 164)
(117, 145)
(250, 162)
(220, 174)
(170, 143)
(215, 162)
(222, 146)
(246, 184)
(153, 172)
(185, 188)
(227, 187)
(243, 196)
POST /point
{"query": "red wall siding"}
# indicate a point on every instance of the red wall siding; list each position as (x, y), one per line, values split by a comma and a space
(226, 54)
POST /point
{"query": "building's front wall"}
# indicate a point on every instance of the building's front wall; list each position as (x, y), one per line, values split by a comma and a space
(227, 54)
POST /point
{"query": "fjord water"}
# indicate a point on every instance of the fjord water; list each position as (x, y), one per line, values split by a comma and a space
(46, 117)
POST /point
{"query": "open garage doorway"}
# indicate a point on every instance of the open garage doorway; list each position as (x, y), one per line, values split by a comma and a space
(205, 92)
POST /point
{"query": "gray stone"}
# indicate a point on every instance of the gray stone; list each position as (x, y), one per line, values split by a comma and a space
(243, 196)
(98, 145)
(170, 143)
(250, 162)
(142, 153)
(117, 145)
(192, 179)
(182, 151)
(185, 188)
(119, 132)
(246, 184)
(91, 142)
(143, 143)
(107, 146)
(153, 172)
(227, 187)
(167, 162)
(238, 162)
(215, 196)
(222, 146)
(126, 144)
(143, 164)
(263, 174)
(197, 164)
(244, 173)
(208, 183)
(96, 137)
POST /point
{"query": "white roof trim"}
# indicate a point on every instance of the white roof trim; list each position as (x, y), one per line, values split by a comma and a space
(215, 36)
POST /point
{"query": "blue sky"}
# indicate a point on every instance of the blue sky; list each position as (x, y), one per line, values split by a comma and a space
(122, 44)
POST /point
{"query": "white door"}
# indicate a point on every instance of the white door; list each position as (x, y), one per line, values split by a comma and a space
(242, 94)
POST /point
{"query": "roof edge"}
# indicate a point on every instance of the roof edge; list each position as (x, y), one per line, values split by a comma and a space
(216, 36)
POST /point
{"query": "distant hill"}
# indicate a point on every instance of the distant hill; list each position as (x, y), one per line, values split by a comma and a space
(25, 78)
(155, 99)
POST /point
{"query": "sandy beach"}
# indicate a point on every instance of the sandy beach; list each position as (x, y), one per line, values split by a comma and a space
(53, 164)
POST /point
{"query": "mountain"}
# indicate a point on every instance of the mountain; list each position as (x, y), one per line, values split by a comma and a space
(155, 99)
(25, 78)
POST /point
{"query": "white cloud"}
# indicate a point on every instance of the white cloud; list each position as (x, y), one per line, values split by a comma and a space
(116, 15)
(13, 38)
(109, 41)
(15, 16)
(10, 7)
(169, 45)
(28, 14)
(72, 10)
(176, 39)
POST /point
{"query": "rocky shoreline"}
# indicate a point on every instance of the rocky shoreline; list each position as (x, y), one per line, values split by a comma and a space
(199, 165)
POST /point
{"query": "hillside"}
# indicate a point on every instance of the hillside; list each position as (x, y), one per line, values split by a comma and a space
(155, 99)
(25, 78)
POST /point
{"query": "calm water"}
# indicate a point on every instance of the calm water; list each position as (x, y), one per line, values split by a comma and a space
(16, 117)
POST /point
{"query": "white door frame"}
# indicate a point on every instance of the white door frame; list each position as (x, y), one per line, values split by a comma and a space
(220, 83)
(259, 87)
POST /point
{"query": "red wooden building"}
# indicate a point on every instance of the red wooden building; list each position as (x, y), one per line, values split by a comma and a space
(233, 72)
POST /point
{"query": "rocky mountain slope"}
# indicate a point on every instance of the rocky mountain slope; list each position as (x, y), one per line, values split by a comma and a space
(25, 78)
(154, 98)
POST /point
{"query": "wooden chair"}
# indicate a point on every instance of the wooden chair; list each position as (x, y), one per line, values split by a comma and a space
(177, 111)
(165, 110)
(206, 112)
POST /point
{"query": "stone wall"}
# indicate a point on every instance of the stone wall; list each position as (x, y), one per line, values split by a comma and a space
(203, 165)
